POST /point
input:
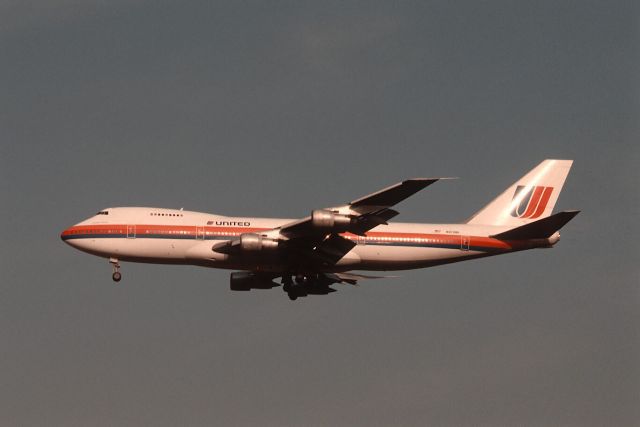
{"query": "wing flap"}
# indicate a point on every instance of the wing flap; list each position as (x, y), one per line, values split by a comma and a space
(334, 248)
(352, 278)
(366, 222)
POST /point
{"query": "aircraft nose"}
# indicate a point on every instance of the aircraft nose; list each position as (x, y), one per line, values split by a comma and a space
(66, 235)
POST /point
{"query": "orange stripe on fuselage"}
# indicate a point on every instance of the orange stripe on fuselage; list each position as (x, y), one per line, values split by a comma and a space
(371, 237)
(155, 228)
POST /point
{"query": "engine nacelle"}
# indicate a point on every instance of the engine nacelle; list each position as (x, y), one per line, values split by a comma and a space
(251, 242)
(328, 220)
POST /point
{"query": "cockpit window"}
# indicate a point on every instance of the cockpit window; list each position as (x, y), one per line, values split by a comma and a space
(103, 213)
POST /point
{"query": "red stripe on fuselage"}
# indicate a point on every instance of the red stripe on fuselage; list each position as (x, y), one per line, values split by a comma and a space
(141, 229)
(371, 237)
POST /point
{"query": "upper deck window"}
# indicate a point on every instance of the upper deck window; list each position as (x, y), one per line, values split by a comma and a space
(103, 213)
(165, 214)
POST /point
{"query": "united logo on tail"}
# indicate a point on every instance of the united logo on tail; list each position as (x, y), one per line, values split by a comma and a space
(533, 201)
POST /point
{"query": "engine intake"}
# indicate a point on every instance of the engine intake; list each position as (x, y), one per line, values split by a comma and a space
(328, 220)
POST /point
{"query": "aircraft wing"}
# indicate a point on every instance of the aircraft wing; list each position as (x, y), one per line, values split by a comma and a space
(317, 237)
(392, 195)
(360, 215)
(317, 240)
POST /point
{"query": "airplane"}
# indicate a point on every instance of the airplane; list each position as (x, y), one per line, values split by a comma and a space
(310, 254)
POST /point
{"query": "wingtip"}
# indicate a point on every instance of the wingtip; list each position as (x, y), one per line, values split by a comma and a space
(565, 162)
(431, 179)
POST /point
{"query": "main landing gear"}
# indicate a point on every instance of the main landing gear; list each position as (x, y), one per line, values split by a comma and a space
(294, 287)
(301, 285)
(287, 286)
(116, 276)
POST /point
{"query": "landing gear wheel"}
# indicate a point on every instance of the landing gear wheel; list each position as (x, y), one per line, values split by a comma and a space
(292, 296)
(287, 283)
(116, 269)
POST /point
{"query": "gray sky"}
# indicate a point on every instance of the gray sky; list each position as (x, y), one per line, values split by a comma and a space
(275, 108)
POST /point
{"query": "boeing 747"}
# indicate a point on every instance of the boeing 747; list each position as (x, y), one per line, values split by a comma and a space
(308, 255)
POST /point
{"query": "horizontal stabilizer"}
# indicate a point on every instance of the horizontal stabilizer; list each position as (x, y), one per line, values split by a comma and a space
(541, 229)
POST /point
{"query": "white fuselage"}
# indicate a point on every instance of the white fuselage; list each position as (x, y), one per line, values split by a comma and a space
(168, 236)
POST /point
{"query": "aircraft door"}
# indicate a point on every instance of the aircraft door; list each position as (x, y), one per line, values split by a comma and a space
(200, 232)
(464, 243)
(131, 231)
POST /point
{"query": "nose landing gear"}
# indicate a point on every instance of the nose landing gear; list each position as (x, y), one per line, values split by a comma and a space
(116, 276)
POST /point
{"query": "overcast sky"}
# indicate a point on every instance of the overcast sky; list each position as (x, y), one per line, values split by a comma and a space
(276, 108)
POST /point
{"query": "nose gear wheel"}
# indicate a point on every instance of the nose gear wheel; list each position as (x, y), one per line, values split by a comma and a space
(116, 276)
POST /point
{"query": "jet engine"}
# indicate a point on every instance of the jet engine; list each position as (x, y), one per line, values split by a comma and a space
(248, 243)
(327, 220)
(251, 242)
(245, 281)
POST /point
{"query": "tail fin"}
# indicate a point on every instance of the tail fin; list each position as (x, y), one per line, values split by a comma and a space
(530, 198)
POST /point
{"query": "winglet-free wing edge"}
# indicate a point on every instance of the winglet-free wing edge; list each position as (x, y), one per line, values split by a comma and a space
(393, 194)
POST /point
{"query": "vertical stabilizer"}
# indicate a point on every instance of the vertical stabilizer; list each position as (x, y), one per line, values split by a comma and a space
(530, 198)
